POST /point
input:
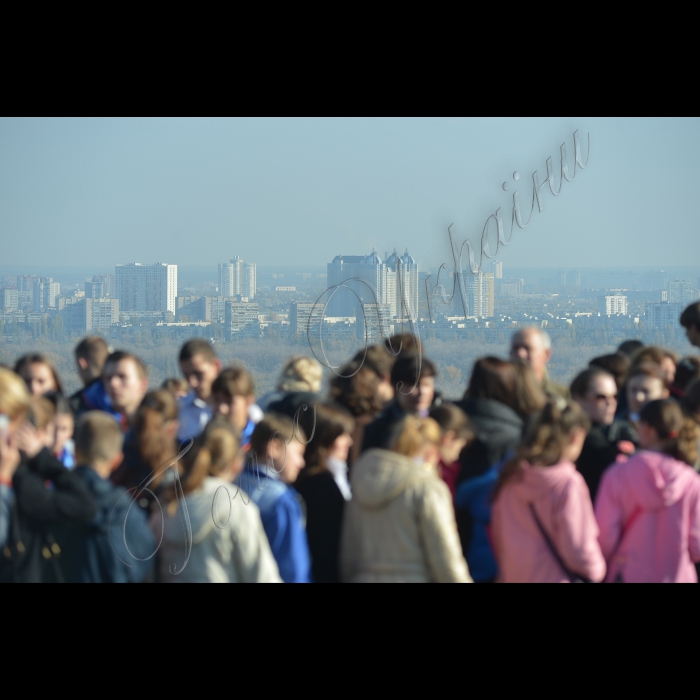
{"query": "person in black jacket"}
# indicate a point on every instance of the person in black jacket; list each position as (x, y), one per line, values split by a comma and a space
(116, 545)
(31, 552)
(324, 486)
(413, 377)
(91, 353)
(595, 390)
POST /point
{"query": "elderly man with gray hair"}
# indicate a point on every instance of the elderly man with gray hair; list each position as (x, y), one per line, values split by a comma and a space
(534, 347)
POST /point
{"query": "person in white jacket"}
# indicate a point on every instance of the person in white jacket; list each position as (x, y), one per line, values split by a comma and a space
(211, 532)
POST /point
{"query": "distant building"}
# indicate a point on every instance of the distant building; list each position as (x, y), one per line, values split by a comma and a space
(512, 289)
(285, 289)
(238, 278)
(241, 320)
(497, 266)
(662, 315)
(299, 315)
(94, 289)
(366, 279)
(10, 299)
(377, 324)
(44, 293)
(81, 316)
(146, 287)
(613, 305)
(681, 292)
(478, 294)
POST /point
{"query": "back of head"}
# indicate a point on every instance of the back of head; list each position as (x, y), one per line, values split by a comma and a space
(41, 412)
(234, 381)
(59, 402)
(376, 358)
(545, 437)
(417, 433)
(409, 369)
(94, 350)
(324, 424)
(301, 373)
(155, 445)
(691, 400)
(176, 386)
(196, 346)
(629, 347)
(617, 364)
(583, 380)
(14, 397)
(212, 454)
(691, 316)
(451, 418)
(355, 388)
(529, 395)
(98, 438)
(403, 344)
(493, 378)
(677, 433)
(687, 371)
(274, 426)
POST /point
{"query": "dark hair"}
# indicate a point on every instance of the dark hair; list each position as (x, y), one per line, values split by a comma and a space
(678, 433)
(452, 418)
(274, 426)
(545, 436)
(377, 358)
(691, 400)
(629, 347)
(325, 424)
(196, 346)
(691, 315)
(647, 369)
(408, 369)
(402, 344)
(60, 403)
(155, 447)
(35, 358)
(95, 351)
(649, 353)
(687, 371)
(492, 378)
(616, 364)
(583, 380)
(175, 384)
(119, 355)
(234, 381)
(356, 393)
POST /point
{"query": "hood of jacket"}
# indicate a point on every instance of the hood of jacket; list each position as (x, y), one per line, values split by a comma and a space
(379, 476)
(210, 503)
(536, 482)
(658, 480)
(491, 419)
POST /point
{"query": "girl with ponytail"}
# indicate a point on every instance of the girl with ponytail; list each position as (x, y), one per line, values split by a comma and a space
(210, 532)
(543, 526)
(648, 508)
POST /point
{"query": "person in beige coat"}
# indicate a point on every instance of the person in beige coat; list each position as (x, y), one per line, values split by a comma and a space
(400, 525)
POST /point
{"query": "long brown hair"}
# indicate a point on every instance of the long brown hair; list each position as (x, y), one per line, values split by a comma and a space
(34, 358)
(677, 433)
(493, 378)
(325, 424)
(545, 437)
(155, 446)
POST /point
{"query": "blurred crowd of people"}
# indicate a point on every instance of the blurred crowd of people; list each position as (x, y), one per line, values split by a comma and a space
(377, 478)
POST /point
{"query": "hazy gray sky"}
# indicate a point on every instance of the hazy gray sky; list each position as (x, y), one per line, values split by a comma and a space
(300, 191)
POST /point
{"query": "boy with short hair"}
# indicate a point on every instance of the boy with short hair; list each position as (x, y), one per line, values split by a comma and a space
(96, 552)
(690, 320)
(200, 366)
(125, 378)
(275, 459)
(233, 393)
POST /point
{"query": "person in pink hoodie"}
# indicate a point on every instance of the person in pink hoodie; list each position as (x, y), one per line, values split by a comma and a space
(648, 508)
(543, 526)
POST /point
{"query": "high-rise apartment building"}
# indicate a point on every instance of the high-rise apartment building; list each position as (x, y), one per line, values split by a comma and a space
(299, 316)
(613, 304)
(241, 320)
(94, 290)
(497, 266)
(662, 315)
(81, 316)
(146, 287)
(478, 293)
(10, 299)
(44, 293)
(238, 278)
(365, 279)
(681, 292)
(374, 325)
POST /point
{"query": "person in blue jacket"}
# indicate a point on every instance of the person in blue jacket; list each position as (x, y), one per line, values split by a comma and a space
(274, 461)
(116, 546)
